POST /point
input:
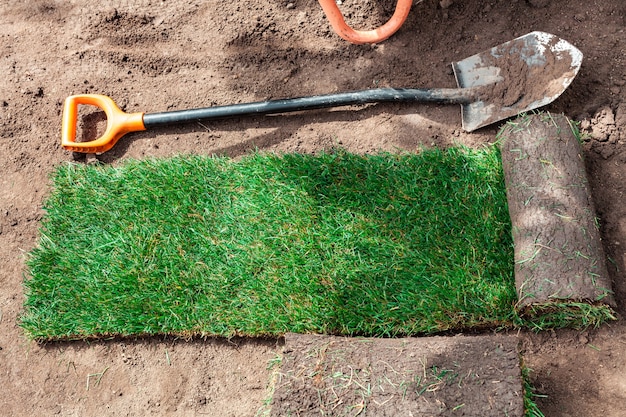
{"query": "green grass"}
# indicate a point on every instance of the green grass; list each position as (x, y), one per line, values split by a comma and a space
(383, 245)
(531, 409)
(564, 314)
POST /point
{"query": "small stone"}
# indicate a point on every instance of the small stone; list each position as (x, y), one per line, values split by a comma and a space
(446, 3)
(290, 6)
(91, 159)
(538, 3)
(585, 124)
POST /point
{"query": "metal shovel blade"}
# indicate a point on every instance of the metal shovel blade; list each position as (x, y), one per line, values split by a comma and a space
(517, 76)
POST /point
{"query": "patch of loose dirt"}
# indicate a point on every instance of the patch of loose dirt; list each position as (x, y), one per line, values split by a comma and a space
(156, 55)
(434, 376)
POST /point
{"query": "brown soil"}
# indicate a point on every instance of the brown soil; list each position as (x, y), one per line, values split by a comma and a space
(156, 55)
(428, 376)
(528, 77)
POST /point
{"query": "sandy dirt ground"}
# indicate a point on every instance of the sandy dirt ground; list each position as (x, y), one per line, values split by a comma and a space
(156, 55)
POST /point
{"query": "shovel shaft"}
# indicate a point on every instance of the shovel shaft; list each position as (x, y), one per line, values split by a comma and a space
(120, 123)
(543, 59)
(437, 95)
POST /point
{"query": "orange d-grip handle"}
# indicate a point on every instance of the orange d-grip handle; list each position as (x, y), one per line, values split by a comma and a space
(118, 123)
(365, 36)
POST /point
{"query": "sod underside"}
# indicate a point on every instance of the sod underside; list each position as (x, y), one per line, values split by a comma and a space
(338, 243)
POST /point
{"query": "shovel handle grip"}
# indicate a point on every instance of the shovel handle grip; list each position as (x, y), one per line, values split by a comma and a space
(119, 123)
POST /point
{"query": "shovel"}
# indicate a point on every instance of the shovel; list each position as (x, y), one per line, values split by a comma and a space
(515, 77)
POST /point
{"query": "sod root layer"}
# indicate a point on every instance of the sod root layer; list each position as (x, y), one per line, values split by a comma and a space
(559, 258)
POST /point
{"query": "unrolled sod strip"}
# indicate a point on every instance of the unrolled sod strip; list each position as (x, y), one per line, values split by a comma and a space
(558, 251)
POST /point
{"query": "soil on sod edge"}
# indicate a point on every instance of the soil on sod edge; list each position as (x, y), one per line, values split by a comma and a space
(155, 56)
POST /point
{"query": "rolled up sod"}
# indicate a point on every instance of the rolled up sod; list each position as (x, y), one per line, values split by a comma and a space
(559, 256)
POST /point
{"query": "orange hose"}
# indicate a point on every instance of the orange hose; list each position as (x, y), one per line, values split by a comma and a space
(365, 36)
